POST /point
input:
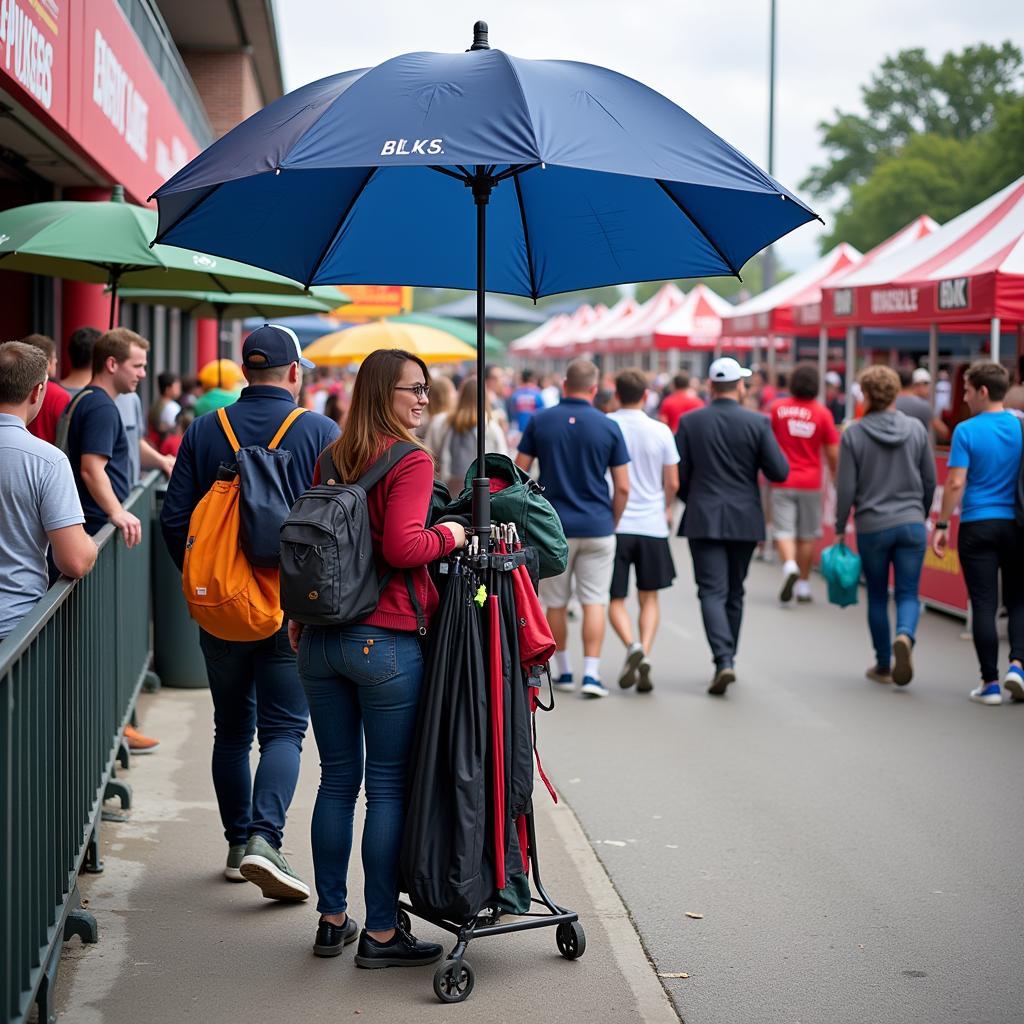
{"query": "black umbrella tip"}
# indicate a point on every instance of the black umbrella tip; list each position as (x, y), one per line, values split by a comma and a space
(479, 37)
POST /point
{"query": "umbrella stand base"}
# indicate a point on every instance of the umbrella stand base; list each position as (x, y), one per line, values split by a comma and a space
(454, 978)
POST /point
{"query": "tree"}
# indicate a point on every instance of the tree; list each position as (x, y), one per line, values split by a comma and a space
(957, 98)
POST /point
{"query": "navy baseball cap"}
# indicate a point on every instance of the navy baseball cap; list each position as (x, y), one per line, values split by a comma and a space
(273, 345)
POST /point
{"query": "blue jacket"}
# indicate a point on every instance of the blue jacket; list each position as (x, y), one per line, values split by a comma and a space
(255, 417)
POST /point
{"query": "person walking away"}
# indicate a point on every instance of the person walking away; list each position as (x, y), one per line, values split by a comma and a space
(984, 470)
(164, 411)
(550, 392)
(641, 537)
(681, 400)
(913, 400)
(363, 680)
(576, 446)
(523, 403)
(80, 345)
(254, 685)
(835, 401)
(458, 443)
(722, 450)
(55, 400)
(805, 431)
(37, 491)
(887, 476)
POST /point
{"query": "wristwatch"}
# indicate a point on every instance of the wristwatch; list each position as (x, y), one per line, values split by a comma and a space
(942, 526)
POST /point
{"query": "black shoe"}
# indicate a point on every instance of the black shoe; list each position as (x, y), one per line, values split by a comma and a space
(404, 950)
(331, 937)
(725, 675)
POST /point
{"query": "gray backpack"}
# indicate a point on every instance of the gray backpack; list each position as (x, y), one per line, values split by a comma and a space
(328, 575)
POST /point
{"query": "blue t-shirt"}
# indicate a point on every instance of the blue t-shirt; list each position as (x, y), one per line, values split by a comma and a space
(576, 446)
(523, 403)
(96, 429)
(988, 446)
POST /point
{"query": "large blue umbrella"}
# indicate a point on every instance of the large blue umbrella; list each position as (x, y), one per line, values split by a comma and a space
(580, 177)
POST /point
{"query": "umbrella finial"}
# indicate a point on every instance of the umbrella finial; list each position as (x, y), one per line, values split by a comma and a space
(117, 194)
(479, 37)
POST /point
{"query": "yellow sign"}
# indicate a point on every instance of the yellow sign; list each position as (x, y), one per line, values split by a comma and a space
(373, 301)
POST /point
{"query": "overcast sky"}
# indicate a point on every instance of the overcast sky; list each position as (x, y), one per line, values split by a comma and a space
(709, 57)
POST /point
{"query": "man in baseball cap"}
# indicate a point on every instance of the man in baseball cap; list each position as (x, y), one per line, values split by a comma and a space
(722, 449)
(273, 345)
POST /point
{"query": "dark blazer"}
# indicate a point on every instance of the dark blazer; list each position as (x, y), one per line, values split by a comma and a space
(722, 448)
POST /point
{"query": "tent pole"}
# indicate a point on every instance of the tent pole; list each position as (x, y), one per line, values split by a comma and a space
(822, 361)
(933, 361)
(994, 339)
(851, 369)
(482, 185)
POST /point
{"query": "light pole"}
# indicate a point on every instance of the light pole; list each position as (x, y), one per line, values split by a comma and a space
(768, 261)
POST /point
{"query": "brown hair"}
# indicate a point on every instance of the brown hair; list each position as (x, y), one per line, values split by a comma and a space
(580, 376)
(991, 376)
(22, 367)
(880, 385)
(804, 380)
(442, 396)
(117, 344)
(371, 419)
(631, 386)
(43, 343)
(463, 418)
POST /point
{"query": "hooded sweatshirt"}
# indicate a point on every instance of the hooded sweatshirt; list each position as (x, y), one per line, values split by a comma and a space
(886, 472)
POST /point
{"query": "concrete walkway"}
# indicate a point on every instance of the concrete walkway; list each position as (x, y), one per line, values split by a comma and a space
(179, 943)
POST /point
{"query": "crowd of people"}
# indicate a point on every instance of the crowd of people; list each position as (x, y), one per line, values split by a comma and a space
(612, 460)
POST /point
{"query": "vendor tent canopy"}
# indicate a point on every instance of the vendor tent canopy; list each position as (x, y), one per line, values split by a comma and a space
(533, 341)
(354, 344)
(771, 312)
(496, 310)
(636, 333)
(625, 307)
(696, 324)
(562, 343)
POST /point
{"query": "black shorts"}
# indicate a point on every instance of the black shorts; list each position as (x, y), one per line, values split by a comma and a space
(652, 557)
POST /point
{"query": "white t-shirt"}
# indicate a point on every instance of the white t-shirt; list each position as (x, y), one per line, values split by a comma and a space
(651, 448)
(169, 413)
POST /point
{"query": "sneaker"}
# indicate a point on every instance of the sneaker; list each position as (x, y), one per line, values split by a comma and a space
(903, 662)
(234, 862)
(987, 693)
(564, 683)
(878, 675)
(792, 575)
(332, 938)
(137, 743)
(804, 598)
(266, 867)
(1014, 682)
(643, 682)
(593, 687)
(627, 677)
(725, 676)
(404, 950)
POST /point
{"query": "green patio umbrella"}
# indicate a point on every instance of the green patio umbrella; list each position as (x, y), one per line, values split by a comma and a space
(109, 243)
(463, 331)
(222, 306)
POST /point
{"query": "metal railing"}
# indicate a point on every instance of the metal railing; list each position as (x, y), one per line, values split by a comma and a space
(70, 673)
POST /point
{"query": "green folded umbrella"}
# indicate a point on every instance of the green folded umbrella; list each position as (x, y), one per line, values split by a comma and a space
(109, 243)
(463, 331)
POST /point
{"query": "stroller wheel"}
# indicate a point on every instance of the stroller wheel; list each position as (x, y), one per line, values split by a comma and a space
(571, 939)
(404, 921)
(453, 981)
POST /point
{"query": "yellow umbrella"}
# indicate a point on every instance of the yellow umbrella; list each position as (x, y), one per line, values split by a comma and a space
(354, 344)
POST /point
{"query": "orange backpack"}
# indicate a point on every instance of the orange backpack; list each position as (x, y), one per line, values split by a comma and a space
(228, 596)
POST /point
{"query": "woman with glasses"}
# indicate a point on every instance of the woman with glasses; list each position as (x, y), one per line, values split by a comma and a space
(363, 681)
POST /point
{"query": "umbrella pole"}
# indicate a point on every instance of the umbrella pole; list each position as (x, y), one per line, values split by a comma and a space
(114, 278)
(482, 185)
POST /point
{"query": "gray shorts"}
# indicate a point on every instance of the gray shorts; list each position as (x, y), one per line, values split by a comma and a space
(590, 564)
(796, 515)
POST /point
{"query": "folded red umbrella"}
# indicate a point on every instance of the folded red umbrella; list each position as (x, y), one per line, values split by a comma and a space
(496, 689)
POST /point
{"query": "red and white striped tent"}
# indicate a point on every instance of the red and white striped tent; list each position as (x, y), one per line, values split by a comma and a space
(696, 324)
(771, 312)
(586, 339)
(808, 314)
(969, 275)
(635, 333)
(533, 341)
(561, 344)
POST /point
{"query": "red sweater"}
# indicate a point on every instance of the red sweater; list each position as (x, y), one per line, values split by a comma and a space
(398, 508)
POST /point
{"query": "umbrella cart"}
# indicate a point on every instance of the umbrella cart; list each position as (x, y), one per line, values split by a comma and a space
(469, 858)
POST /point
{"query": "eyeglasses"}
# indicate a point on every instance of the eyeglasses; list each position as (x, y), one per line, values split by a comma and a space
(419, 390)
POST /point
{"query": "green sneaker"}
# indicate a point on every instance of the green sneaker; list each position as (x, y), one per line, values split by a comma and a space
(264, 866)
(235, 855)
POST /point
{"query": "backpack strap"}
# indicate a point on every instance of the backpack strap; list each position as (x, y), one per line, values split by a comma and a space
(64, 423)
(379, 469)
(329, 474)
(283, 429)
(225, 425)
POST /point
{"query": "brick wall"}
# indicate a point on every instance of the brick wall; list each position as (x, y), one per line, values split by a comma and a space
(227, 86)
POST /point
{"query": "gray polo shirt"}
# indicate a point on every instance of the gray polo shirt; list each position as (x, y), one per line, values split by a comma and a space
(130, 408)
(37, 495)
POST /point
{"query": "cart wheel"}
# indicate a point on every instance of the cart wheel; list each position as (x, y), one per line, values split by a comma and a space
(453, 981)
(404, 922)
(571, 939)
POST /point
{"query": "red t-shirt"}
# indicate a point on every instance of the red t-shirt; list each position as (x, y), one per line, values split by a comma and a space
(802, 426)
(55, 401)
(676, 406)
(170, 445)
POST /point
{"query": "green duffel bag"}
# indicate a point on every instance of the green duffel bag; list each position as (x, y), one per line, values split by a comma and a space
(521, 502)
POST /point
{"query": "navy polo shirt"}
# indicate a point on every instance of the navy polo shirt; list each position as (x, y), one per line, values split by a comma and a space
(96, 428)
(576, 446)
(254, 418)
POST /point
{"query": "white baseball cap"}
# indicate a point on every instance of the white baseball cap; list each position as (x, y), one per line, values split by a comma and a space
(834, 379)
(727, 369)
(921, 376)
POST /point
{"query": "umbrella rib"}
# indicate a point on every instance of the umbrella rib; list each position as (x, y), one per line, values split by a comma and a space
(341, 221)
(451, 174)
(526, 236)
(192, 207)
(693, 220)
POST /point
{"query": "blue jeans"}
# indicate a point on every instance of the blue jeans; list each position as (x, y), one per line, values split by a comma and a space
(901, 547)
(363, 684)
(256, 690)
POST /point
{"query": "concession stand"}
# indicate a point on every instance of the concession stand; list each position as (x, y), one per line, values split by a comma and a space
(693, 330)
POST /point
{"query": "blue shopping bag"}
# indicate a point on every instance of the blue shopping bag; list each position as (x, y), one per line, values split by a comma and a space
(841, 568)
